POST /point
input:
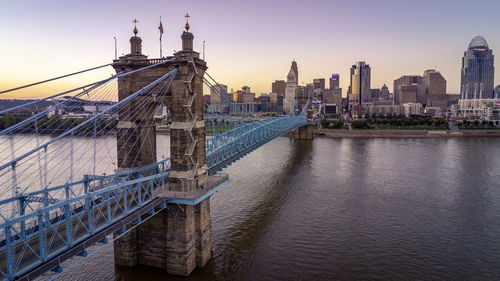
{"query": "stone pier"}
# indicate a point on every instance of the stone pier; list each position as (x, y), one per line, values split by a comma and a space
(179, 238)
(303, 133)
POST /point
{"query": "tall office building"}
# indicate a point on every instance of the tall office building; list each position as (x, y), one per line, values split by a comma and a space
(403, 93)
(309, 90)
(319, 83)
(476, 77)
(410, 93)
(332, 98)
(216, 92)
(335, 81)
(435, 89)
(291, 86)
(278, 87)
(477, 71)
(360, 83)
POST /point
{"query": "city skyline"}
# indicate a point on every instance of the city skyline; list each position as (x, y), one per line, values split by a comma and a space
(254, 47)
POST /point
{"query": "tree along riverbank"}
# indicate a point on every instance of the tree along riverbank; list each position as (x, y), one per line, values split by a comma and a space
(341, 133)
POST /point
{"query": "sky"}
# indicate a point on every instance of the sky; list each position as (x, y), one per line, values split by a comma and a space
(247, 42)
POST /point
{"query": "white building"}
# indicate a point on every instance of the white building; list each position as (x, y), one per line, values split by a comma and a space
(476, 108)
(412, 108)
(291, 87)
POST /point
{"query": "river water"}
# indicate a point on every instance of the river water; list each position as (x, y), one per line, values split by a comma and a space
(349, 209)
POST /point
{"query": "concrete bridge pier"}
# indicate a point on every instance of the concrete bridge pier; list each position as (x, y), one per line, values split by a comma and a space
(179, 238)
(304, 133)
(189, 237)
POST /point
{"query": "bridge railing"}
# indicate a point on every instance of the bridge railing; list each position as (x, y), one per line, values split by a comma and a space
(30, 240)
(225, 146)
(30, 202)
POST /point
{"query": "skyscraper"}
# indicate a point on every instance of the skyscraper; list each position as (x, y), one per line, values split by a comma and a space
(476, 77)
(333, 96)
(291, 86)
(360, 83)
(319, 83)
(216, 92)
(477, 71)
(435, 89)
(404, 94)
(334, 81)
(309, 90)
(278, 87)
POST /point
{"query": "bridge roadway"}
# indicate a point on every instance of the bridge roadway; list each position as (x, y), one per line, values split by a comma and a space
(28, 254)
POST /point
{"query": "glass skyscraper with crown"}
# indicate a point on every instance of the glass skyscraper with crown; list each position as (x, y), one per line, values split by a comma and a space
(477, 71)
(476, 85)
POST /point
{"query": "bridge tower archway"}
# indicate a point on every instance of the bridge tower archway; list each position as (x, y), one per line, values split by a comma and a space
(180, 237)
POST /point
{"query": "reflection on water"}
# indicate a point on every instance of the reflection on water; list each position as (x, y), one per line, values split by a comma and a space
(350, 209)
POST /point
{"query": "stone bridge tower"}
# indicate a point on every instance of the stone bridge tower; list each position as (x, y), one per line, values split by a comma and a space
(180, 237)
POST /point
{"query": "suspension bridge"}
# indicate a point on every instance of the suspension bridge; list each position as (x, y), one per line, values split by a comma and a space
(72, 182)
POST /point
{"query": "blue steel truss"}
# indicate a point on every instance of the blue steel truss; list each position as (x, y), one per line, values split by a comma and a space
(35, 238)
(46, 229)
(227, 147)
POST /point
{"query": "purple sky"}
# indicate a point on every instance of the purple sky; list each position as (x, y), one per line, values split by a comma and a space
(247, 42)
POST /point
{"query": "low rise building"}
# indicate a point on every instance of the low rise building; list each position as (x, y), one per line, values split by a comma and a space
(382, 102)
(332, 100)
(383, 109)
(412, 109)
(433, 111)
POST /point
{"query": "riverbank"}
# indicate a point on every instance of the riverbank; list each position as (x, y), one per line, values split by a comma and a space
(340, 133)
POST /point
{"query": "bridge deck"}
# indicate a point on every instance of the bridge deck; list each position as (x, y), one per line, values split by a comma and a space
(112, 211)
(100, 236)
(100, 214)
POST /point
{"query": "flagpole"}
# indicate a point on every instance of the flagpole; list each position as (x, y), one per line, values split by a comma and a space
(160, 38)
(115, 48)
